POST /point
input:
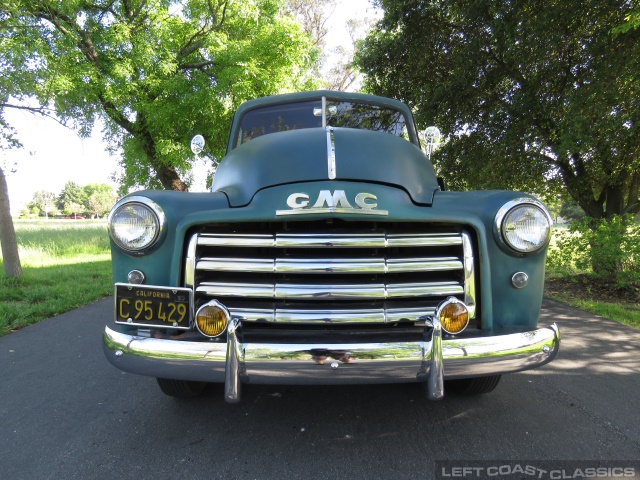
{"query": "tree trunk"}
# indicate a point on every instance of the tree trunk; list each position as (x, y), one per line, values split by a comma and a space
(8, 241)
(169, 178)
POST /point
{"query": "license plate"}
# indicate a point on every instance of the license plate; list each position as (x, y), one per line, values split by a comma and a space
(167, 307)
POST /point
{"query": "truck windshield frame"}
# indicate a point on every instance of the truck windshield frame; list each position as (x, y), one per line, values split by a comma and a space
(319, 113)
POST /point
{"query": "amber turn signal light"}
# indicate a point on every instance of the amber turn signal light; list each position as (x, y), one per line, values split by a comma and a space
(212, 319)
(453, 315)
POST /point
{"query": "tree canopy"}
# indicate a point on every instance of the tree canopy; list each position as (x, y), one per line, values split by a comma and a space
(44, 201)
(156, 71)
(531, 94)
(95, 199)
(72, 198)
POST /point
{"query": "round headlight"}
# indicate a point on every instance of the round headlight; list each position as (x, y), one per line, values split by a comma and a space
(524, 225)
(136, 223)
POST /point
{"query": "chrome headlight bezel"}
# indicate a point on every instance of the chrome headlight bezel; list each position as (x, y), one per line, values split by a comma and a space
(156, 214)
(511, 208)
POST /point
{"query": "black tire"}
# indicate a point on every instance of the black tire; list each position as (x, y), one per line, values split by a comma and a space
(473, 386)
(180, 388)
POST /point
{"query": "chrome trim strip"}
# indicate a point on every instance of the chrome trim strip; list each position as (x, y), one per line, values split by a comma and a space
(303, 364)
(190, 262)
(232, 364)
(331, 155)
(252, 315)
(469, 275)
(435, 380)
(315, 292)
(423, 289)
(236, 290)
(330, 265)
(411, 314)
(245, 265)
(348, 211)
(236, 240)
(315, 316)
(309, 240)
(423, 239)
(423, 265)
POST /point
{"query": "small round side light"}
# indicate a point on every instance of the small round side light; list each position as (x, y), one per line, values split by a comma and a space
(212, 319)
(453, 315)
(520, 280)
(136, 277)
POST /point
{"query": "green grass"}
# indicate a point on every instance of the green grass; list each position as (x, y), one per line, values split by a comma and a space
(629, 314)
(581, 289)
(65, 263)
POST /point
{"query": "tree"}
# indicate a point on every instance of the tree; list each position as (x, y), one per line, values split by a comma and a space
(12, 61)
(157, 71)
(72, 199)
(100, 198)
(343, 75)
(44, 201)
(631, 21)
(8, 239)
(533, 94)
(74, 209)
(312, 16)
(571, 211)
(335, 66)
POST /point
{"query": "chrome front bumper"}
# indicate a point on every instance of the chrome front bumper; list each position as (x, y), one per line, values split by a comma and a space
(431, 360)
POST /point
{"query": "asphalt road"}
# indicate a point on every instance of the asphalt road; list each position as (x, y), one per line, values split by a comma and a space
(66, 413)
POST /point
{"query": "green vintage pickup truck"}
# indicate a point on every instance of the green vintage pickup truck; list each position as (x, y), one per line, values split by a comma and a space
(327, 252)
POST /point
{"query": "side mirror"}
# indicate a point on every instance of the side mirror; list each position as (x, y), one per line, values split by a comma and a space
(431, 136)
(197, 144)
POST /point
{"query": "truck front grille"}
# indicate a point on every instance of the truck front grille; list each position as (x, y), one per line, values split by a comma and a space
(330, 271)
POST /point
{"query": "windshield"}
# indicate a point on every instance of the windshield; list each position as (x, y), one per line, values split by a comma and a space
(293, 116)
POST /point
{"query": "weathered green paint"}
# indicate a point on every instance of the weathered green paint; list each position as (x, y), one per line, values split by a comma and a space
(501, 305)
(256, 179)
(301, 156)
(279, 175)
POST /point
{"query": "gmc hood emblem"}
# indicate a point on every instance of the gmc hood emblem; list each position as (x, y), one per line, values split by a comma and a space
(332, 202)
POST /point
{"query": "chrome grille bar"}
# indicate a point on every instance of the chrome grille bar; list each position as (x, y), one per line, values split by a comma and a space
(330, 265)
(292, 291)
(311, 316)
(378, 276)
(309, 240)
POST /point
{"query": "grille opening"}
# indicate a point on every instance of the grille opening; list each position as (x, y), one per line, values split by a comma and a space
(330, 272)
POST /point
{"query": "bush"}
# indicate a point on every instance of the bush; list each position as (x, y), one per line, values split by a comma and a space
(606, 248)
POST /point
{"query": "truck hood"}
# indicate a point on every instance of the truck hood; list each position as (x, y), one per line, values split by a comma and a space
(303, 156)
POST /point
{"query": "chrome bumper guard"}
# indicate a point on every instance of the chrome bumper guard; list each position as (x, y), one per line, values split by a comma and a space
(432, 360)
